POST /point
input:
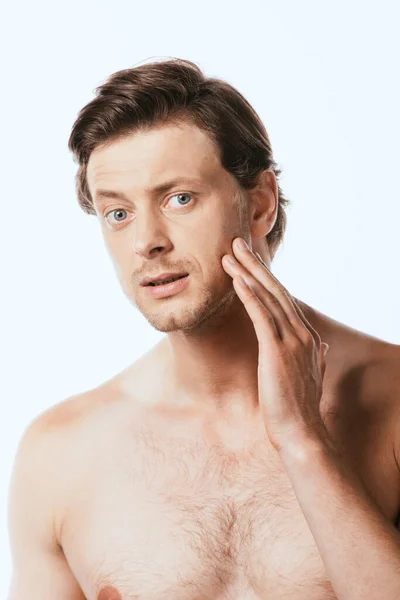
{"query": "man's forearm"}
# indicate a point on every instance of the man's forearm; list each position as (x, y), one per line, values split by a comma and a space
(359, 547)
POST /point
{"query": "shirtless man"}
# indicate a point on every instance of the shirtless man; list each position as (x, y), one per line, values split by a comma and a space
(232, 460)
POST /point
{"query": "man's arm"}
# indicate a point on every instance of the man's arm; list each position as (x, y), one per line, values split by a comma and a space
(40, 571)
(358, 545)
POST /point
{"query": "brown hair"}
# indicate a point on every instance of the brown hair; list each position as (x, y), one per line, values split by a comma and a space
(164, 91)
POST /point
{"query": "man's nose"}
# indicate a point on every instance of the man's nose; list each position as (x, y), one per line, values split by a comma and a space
(150, 235)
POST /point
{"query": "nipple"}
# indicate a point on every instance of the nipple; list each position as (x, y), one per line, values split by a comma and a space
(109, 593)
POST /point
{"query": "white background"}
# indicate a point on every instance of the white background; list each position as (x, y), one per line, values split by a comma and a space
(323, 76)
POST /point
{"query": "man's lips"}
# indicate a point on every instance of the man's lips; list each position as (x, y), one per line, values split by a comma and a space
(167, 290)
(162, 277)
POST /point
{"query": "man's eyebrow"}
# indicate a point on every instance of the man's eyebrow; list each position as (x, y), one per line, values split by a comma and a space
(157, 189)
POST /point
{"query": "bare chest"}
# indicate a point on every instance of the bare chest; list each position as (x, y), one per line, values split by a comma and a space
(186, 522)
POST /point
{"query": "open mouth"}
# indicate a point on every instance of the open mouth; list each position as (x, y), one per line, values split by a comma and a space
(167, 280)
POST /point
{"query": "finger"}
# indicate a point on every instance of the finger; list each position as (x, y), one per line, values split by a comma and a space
(263, 274)
(314, 332)
(264, 323)
(282, 324)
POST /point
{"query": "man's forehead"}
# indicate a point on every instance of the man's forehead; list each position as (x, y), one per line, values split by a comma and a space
(151, 181)
(156, 146)
(129, 164)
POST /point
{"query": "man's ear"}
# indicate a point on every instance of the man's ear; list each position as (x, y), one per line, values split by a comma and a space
(263, 204)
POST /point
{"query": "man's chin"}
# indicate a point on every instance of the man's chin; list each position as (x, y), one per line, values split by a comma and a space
(190, 318)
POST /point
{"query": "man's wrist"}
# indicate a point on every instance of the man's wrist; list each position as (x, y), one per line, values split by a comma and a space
(304, 446)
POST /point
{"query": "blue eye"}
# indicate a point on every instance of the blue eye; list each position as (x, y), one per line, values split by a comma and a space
(116, 210)
(120, 211)
(180, 195)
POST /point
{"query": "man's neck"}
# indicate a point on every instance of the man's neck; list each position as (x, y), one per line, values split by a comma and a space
(217, 369)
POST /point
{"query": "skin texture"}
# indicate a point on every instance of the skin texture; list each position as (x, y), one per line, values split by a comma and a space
(207, 325)
(139, 162)
(109, 593)
(162, 481)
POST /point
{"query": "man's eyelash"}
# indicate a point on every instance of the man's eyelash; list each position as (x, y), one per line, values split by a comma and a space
(173, 196)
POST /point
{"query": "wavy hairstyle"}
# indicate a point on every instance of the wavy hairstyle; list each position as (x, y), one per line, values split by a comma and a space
(165, 91)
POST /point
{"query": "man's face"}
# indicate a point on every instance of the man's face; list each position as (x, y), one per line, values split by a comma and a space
(187, 228)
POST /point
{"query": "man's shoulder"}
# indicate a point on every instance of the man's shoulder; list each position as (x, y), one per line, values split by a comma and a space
(383, 370)
(81, 410)
(383, 388)
(127, 386)
(69, 413)
(391, 372)
(130, 389)
(372, 375)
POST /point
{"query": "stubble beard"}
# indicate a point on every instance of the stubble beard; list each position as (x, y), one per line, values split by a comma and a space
(191, 317)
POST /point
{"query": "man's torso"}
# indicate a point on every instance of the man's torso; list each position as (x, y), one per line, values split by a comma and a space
(152, 503)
